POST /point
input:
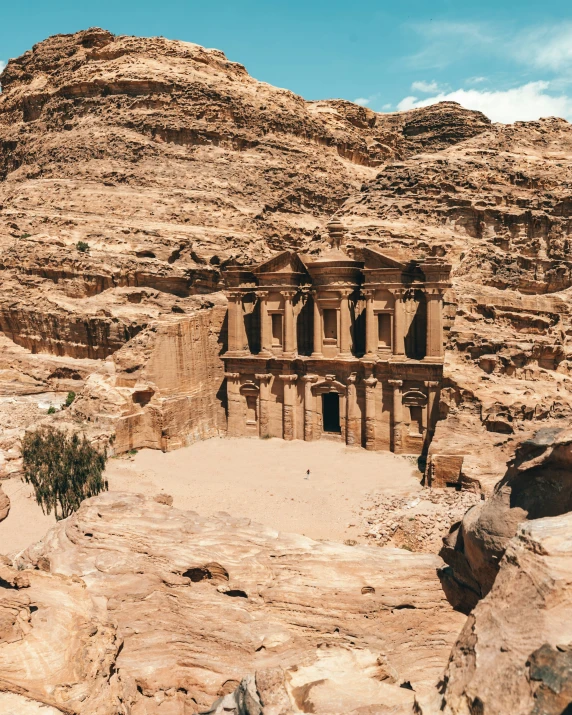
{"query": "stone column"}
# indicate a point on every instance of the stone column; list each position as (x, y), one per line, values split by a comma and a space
(435, 348)
(370, 384)
(265, 325)
(234, 315)
(398, 324)
(309, 399)
(371, 329)
(290, 346)
(235, 412)
(345, 324)
(352, 436)
(264, 403)
(289, 406)
(397, 414)
(432, 387)
(317, 352)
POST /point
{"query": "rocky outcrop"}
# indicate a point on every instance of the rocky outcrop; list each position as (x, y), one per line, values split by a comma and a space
(56, 650)
(4, 504)
(165, 388)
(198, 604)
(538, 483)
(514, 653)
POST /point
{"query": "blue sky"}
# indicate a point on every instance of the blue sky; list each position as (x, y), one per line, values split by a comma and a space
(512, 60)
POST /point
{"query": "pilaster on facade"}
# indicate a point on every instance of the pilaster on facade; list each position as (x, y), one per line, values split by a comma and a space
(309, 402)
(288, 417)
(264, 381)
(398, 323)
(352, 425)
(435, 350)
(265, 324)
(290, 346)
(237, 339)
(370, 416)
(318, 331)
(397, 417)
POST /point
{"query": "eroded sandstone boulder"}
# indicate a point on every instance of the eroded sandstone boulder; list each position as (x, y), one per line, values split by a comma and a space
(513, 656)
(4, 504)
(538, 483)
(197, 604)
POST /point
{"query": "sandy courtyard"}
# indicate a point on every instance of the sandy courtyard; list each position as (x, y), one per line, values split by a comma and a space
(263, 480)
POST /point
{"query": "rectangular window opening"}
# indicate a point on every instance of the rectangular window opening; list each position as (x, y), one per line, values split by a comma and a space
(384, 330)
(251, 409)
(330, 324)
(276, 330)
(416, 423)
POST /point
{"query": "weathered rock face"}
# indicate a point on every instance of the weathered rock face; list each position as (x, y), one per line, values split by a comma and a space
(169, 162)
(538, 483)
(513, 655)
(497, 207)
(197, 604)
(55, 648)
(163, 389)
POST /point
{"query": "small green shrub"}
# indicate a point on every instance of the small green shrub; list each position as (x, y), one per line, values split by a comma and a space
(26, 235)
(63, 469)
(51, 410)
(70, 398)
(82, 246)
(132, 451)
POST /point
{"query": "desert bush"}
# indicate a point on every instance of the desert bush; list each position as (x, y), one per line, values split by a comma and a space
(63, 469)
(70, 398)
(51, 410)
(82, 246)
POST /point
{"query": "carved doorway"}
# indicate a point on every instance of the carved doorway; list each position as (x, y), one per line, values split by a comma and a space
(331, 412)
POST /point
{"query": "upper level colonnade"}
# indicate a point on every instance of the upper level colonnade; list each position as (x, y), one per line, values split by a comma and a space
(370, 305)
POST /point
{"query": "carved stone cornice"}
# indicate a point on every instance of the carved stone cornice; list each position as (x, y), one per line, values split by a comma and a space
(232, 375)
(396, 384)
(431, 383)
(263, 376)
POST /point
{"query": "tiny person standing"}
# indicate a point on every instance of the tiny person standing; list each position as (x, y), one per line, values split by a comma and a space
(307, 475)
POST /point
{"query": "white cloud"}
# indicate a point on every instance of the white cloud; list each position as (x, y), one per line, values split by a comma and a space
(2, 65)
(445, 42)
(426, 87)
(525, 103)
(545, 47)
(363, 101)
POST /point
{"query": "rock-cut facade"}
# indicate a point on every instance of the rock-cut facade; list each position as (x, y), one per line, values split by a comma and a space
(347, 345)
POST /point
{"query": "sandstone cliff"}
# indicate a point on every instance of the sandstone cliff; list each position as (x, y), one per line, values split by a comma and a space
(132, 170)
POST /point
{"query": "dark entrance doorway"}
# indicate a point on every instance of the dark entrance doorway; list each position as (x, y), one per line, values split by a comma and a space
(331, 412)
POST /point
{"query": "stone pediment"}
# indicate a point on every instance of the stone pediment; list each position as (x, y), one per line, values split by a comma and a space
(388, 259)
(285, 262)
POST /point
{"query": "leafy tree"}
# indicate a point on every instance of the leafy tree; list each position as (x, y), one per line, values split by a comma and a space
(63, 469)
(70, 398)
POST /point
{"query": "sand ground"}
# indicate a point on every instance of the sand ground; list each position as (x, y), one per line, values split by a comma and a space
(263, 480)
